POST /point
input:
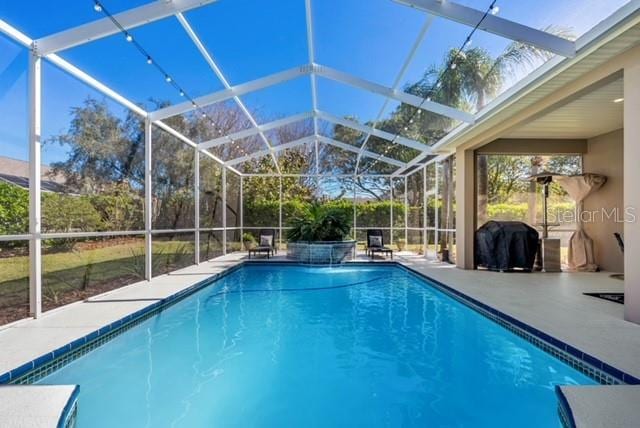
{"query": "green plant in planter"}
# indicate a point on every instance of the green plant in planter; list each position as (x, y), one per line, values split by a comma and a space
(249, 240)
(321, 224)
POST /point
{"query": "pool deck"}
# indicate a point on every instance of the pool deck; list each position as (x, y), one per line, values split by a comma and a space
(37, 405)
(551, 302)
(603, 407)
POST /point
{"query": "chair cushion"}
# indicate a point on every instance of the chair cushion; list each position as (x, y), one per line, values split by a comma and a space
(375, 241)
(266, 240)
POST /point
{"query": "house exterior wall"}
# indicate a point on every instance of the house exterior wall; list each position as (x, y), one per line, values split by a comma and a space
(605, 156)
(631, 193)
(503, 123)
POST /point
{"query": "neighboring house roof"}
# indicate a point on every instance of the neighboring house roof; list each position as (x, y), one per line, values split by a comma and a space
(16, 172)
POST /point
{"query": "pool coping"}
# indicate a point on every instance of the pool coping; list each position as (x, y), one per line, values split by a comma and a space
(39, 405)
(589, 365)
(598, 406)
(70, 411)
(565, 413)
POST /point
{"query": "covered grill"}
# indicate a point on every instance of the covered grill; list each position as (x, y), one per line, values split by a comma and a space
(506, 245)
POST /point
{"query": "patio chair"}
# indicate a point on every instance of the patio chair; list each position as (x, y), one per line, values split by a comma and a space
(620, 242)
(375, 243)
(266, 243)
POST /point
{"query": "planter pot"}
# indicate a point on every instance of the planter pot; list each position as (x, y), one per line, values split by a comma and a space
(320, 252)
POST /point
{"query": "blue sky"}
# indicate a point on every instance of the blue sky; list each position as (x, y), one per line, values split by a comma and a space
(248, 39)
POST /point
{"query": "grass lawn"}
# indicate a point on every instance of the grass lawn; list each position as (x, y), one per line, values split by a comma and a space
(75, 274)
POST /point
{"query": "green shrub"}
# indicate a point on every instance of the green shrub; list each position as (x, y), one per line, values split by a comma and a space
(120, 208)
(371, 213)
(249, 240)
(519, 211)
(14, 209)
(259, 213)
(508, 212)
(69, 213)
(323, 223)
(294, 208)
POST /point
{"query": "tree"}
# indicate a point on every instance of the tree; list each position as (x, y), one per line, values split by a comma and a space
(103, 149)
(506, 175)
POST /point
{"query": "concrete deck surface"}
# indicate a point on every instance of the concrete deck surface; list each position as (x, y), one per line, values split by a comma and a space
(604, 406)
(29, 406)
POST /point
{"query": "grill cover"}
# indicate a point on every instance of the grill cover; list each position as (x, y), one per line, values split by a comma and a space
(506, 245)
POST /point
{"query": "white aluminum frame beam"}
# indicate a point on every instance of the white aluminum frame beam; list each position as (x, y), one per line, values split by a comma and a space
(311, 175)
(245, 133)
(398, 95)
(396, 85)
(104, 27)
(27, 42)
(314, 83)
(354, 149)
(35, 191)
(148, 200)
(237, 90)
(318, 70)
(421, 157)
(372, 131)
(74, 71)
(218, 72)
(196, 204)
(319, 114)
(187, 141)
(272, 151)
(496, 25)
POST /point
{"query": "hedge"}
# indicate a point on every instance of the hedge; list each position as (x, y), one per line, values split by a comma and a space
(265, 213)
(14, 209)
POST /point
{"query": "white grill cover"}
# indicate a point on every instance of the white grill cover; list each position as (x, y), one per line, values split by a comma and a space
(581, 255)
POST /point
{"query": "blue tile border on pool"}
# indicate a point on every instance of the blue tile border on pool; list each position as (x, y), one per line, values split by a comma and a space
(70, 410)
(563, 350)
(587, 364)
(47, 363)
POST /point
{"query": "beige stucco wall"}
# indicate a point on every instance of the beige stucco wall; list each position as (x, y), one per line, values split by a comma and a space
(605, 156)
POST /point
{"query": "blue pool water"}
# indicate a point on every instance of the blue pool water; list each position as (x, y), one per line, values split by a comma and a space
(270, 346)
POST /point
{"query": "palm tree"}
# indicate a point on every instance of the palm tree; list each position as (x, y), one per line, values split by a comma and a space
(467, 80)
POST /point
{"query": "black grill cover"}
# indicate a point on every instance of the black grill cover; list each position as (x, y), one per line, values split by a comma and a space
(506, 245)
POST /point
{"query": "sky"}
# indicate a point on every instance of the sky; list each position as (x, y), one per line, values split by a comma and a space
(248, 39)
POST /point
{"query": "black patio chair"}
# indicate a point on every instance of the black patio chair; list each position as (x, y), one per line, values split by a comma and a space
(266, 243)
(620, 241)
(375, 243)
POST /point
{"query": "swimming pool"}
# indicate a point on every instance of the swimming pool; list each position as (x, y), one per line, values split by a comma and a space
(306, 346)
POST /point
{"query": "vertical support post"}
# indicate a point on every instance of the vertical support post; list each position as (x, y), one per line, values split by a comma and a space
(196, 196)
(465, 208)
(241, 210)
(224, 210)
(317, 155)
(631, 174)
(406, 211)
(425, 242)
(314, 89)
(280, 214)
(391, 210)
(353, 202)
(148, 200)
(35, 208)
(438, 201)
